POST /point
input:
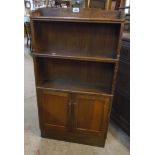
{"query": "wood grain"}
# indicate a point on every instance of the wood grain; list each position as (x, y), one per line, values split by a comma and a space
(75, 61)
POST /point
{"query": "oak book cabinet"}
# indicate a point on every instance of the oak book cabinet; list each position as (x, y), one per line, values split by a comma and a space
(75, 62)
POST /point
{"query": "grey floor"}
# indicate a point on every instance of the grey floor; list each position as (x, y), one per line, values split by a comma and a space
(117, 142)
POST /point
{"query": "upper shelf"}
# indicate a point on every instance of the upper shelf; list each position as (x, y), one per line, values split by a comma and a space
(84, 15)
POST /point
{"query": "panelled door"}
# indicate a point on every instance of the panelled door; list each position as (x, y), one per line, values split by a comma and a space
(70, 112)
(54, 110)
(91, 113)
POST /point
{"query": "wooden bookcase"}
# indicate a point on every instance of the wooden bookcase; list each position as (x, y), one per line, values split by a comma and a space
(75, 62)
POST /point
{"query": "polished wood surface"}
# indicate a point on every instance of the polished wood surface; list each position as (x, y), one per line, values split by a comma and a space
(76, 59)
(75, 117)
(91, 113)
(57, 118)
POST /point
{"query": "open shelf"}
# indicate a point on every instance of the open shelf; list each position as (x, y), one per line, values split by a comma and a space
(74, 86)
(74, 75)
(69, 54)
(83, 41)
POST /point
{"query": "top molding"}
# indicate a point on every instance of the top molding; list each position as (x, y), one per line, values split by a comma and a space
(84, 15)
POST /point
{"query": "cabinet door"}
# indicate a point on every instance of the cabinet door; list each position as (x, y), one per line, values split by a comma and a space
(91, 113)
(54, 108)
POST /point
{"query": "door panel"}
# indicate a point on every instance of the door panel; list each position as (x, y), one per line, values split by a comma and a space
(91, 113)
(55, 110)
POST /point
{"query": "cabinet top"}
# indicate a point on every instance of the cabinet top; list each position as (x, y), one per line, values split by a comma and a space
(84, 15)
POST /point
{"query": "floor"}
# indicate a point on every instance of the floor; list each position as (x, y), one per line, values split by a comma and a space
(117, 143)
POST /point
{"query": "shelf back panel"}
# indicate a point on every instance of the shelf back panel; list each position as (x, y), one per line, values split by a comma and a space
(84, 38)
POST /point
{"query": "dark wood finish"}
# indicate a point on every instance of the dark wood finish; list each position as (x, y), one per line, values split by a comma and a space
(121, 103)
(91, 113)
(74, 117)
(57, 118)
(75, 62)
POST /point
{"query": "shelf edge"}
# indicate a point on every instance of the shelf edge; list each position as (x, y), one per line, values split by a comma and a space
(112, 60)
(75, 91)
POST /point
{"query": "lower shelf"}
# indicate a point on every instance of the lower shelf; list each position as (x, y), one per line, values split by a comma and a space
(75, 86)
